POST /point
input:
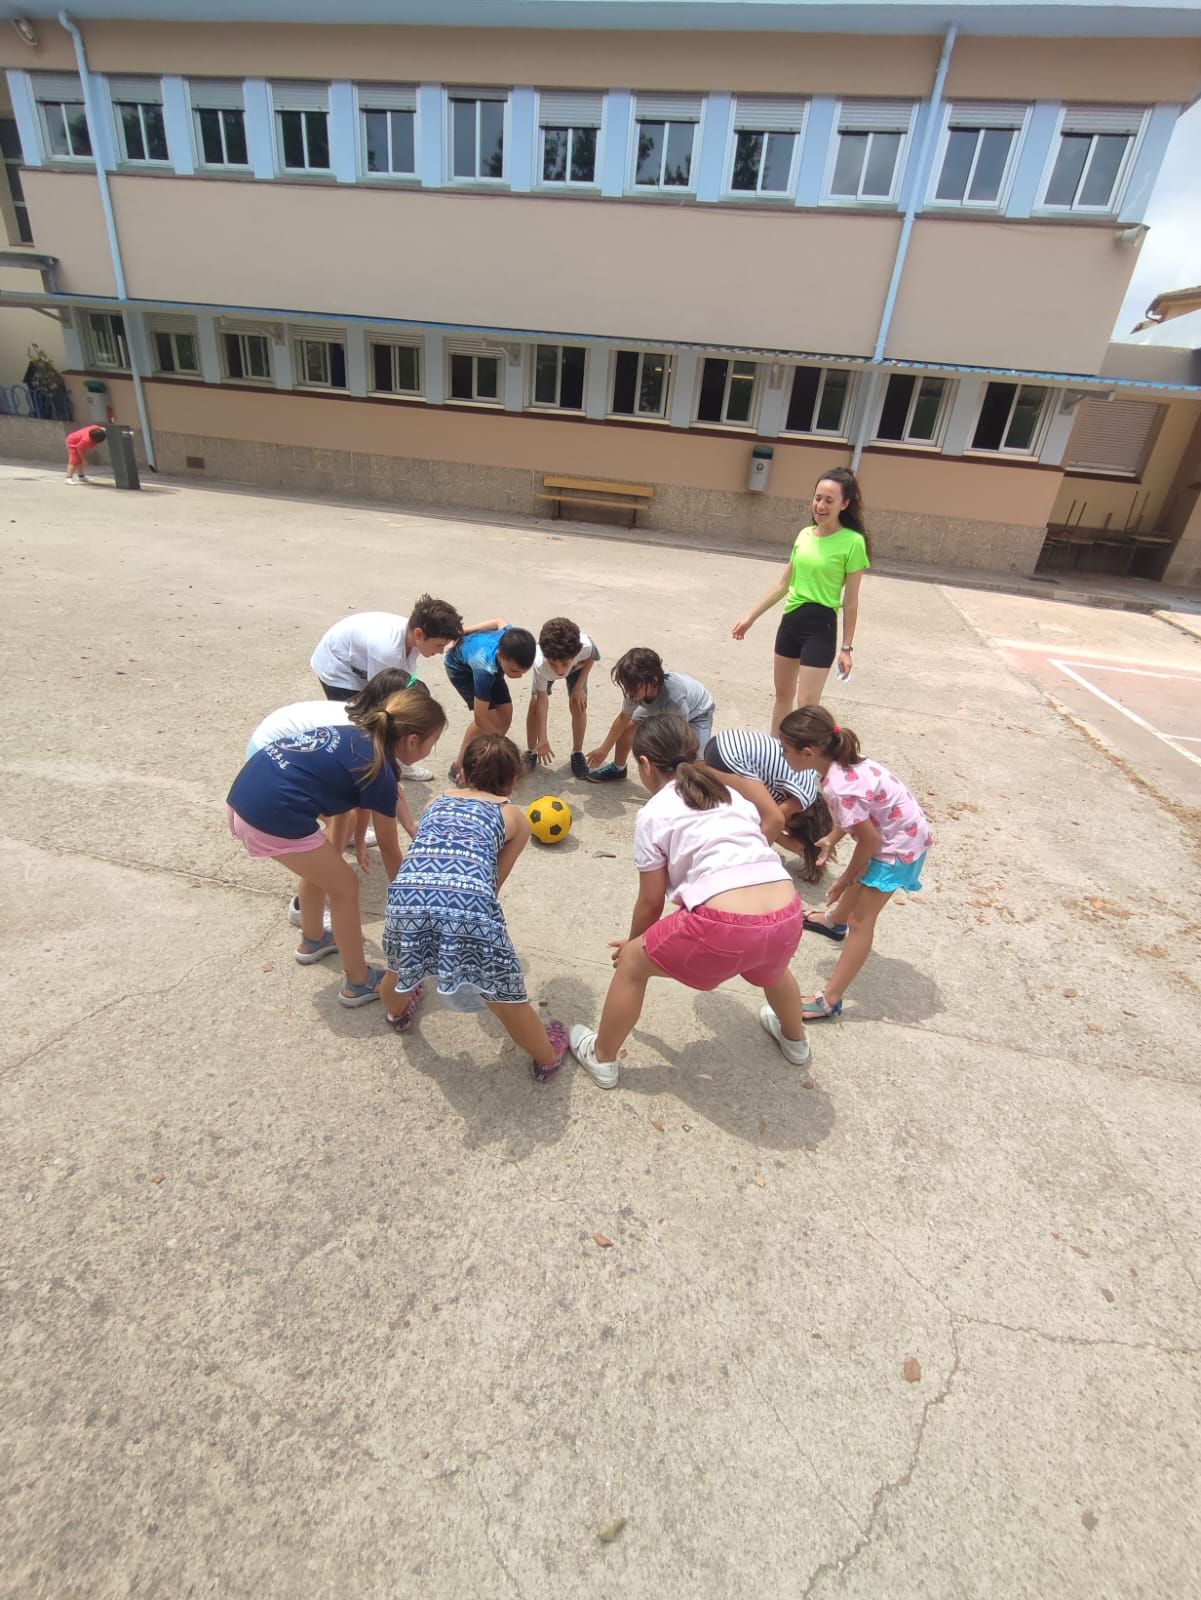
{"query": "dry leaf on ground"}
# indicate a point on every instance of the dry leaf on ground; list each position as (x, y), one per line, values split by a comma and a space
(657, 1125)
(611, 1529)
(603, 1240)
(912, 1370)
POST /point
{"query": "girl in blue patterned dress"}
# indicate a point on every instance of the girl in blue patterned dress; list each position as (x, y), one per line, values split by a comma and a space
(444, 918)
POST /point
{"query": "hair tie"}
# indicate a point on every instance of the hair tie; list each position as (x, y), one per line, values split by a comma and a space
(837, 729)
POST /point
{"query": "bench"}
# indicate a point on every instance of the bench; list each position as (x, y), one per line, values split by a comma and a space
(631, 497)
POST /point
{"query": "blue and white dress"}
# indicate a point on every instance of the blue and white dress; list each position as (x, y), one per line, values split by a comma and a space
(444, 918)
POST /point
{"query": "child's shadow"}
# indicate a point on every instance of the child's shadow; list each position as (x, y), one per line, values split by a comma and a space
(888, 990)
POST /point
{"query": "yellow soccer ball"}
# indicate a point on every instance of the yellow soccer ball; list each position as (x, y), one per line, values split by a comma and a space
(550, 818)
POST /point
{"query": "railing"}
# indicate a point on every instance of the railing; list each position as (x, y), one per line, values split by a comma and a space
(19, 400)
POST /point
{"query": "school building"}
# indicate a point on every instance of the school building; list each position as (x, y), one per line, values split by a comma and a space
(704, 250)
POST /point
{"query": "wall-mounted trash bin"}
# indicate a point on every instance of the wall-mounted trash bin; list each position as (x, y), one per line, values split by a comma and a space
(125, 462)
(761, 459)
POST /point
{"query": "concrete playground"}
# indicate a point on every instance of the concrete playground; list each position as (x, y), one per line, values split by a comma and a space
(296, 1309)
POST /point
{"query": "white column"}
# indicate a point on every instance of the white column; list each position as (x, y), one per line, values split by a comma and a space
(356, 361)
(73, 339)
(104, 133)
(281, 361)
(430, 135)
(1059, 431)
(713, 136)
(596, 382)
(523, 127)
(514, 380)
(343, 144)
(965, 408)
(619, 111)
(260, 128)
(209, 348)
(683, 386)
(138, 339)
(177, 118)
(774, 406)
(435, 368)
(25, 112)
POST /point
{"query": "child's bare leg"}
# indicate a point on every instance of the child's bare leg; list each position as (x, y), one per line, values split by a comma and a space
(395, 1000)
(473, 731)
(623, 1003)
(531, 724)
(325, 876)
(785, 1000)
(524, 1026)
(621, 756)
(857, 946)
(840, 911)
(579, 725)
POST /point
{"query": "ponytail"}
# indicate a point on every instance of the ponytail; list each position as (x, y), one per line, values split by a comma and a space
(813, 728)
(851, 516)
(669, 744)
(410, 711)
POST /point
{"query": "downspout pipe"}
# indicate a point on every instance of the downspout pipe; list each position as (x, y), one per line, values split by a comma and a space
(110, 224)
(917, 188)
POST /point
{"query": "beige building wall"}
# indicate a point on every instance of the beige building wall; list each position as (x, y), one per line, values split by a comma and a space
(1097, 502)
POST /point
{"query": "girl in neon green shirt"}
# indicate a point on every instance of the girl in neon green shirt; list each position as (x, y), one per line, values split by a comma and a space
(821, 579)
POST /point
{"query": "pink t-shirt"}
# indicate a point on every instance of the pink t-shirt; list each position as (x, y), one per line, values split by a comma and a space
(705, 852)
(868, 792)
(81, 439)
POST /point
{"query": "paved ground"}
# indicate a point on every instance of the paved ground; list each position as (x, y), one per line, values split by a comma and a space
(294, 1310)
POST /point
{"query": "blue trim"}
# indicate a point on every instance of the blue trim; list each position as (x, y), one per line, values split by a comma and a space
(521, 158)
(715, 139)
(343, 135)
(1032, 158)
(25, 113)
(178, 123)
(1158, 135)
(619, 114)
(260, 127)
(430, 135)
(820, 132)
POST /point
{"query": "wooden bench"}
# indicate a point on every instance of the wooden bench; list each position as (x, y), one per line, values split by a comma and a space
(631, 497)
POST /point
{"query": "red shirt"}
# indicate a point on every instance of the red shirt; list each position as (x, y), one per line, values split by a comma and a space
(81, 439)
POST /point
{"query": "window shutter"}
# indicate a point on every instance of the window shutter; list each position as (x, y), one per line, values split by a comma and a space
(387, 97)
(165, 324)
(265, 330)
(1113, 435)
(668, 107)
(215, 94)
(136, 91)
(874, 116)
(473, 347)
(300, 96)
(568, 108)
(478, 94)
(57, 86)
(315, 330)
(1102, 119)
(983, 114)
(768, 115)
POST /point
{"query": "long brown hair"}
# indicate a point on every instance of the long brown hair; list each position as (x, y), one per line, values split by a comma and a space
(813, 728)
(808, 827)
(669, 744)
(851, 516)
(492, 764)
(410, 711)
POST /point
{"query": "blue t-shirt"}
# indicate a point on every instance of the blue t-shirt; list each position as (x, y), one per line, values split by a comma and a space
(478, 653)
(286, 786)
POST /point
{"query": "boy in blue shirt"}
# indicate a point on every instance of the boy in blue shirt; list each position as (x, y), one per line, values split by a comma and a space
(479, 668)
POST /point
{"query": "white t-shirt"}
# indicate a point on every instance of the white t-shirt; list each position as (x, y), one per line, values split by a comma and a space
(301, 717)
(542, 674)
(361, 645)
(705, 852)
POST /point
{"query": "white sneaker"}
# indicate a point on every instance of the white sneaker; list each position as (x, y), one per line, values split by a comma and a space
(70, 481)
(604, 1074)
(418, 774)
(83, 478)
(795, 1050)
(294, 915)
(369, 836)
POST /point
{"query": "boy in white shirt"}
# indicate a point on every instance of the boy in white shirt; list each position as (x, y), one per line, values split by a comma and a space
(563, 652)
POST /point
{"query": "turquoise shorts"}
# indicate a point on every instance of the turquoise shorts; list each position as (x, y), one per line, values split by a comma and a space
(889, 876)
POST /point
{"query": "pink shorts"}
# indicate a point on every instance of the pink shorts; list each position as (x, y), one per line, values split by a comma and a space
(259, 843)
(704, 948)
(74, 458)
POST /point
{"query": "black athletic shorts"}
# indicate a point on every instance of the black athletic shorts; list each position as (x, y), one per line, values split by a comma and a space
(334, 691)
(573, 677)
(463, 682)
(808, 635)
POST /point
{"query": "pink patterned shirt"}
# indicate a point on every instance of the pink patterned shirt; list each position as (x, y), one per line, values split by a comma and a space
(868, 792)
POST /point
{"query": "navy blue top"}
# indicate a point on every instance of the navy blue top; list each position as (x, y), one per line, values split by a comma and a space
(286, 786)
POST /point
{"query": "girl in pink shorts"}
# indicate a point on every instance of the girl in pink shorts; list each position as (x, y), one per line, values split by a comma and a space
(701, 845)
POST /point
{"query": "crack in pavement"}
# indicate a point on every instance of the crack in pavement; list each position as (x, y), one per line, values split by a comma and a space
(152, 868)
(492, 1546)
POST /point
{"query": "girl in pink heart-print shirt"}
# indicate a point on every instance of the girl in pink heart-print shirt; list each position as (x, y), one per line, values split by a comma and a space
(891, 837)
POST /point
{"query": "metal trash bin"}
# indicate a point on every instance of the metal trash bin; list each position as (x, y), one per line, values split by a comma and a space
(125, 462)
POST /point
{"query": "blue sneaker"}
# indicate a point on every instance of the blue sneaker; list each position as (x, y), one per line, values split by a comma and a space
(609, 773)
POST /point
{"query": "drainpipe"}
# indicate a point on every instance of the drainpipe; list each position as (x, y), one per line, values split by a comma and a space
(110, 226)
(917, 189)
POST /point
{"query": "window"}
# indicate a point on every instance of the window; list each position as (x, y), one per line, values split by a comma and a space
(320, 362)
(106, 339)
(871, 138)
(387, 121)
(302, 124)
(176, 351)
(727, 391)
(395, 368)
(247, 357)
(568, 127)
(477, 135)
(1095, 145)
(666, 130)
(474, 375)
(913, 409)
(1113, 437)
(818, 402)
(640, 380)
(10, 151)
(559, 376)
(64, 120)
(220, 122)
(138, 107)
(1010, 418)
(977, 153)
(765, 145)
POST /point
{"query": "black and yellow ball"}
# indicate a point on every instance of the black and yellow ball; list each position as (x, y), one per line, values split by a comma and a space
(550, 819)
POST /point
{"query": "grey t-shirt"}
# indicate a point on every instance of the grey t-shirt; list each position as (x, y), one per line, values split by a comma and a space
(680, 694)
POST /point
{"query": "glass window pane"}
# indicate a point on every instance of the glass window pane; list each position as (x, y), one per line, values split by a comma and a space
(487, 377)
(800, 405)
(293, 139)
(381, 368)
(546, 374)
(748, 147)
(408, 369)
(713, 390)
(652, 384)
(679, 154)
(742, 391)
(233, 356)
(313, 361)
(1069, 164)
(583, 155)
(956, 164)
(492, 139)
(650, 152)
(1109, 151)
(571, 383)
(404, 158)
(1027, 414)
(337, 365)
(994, 413)
(164, 352)
(990, 168)
(852, 152)
(375, 137)
(258, 356)
(185, 353)
(554, 155)
(156, 133)
(833, 402)
(779, 162)
(625, 379)
(212, 152)
(77, 128)
(881, 163)
(463, 139)
(316, 127)
(234, 125)
(896, 407)
(131, 124)
(924, 422)
(56, 130)
(460, 378)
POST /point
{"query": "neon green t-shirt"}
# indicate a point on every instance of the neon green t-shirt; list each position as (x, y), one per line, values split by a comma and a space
(820, 565)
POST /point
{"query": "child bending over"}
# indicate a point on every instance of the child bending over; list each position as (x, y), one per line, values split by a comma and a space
(479, 668)
(563, 652)
(649, 692)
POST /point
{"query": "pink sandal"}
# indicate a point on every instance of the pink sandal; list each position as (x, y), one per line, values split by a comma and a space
(404, 1020)
(557, 1034)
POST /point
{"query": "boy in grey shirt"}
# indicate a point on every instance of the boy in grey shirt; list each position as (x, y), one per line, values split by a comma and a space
(648, 691)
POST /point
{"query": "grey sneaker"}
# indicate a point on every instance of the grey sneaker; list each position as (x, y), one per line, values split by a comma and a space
(604, 1074)
(797, 1051)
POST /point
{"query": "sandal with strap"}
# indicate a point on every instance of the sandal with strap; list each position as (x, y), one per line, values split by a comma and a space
(828, 930)
(402, 1021)
(361, 994)
(557, 1034)
(819, 1008)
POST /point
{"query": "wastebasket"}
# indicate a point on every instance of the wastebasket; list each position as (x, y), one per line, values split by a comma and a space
(761, 459)
(125, 463)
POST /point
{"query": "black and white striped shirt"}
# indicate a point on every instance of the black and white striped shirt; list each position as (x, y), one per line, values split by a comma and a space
(758, 755)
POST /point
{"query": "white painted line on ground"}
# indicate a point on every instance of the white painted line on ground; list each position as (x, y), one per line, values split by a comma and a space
(1137, 672)
(1079, 650)
(1117, 705)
